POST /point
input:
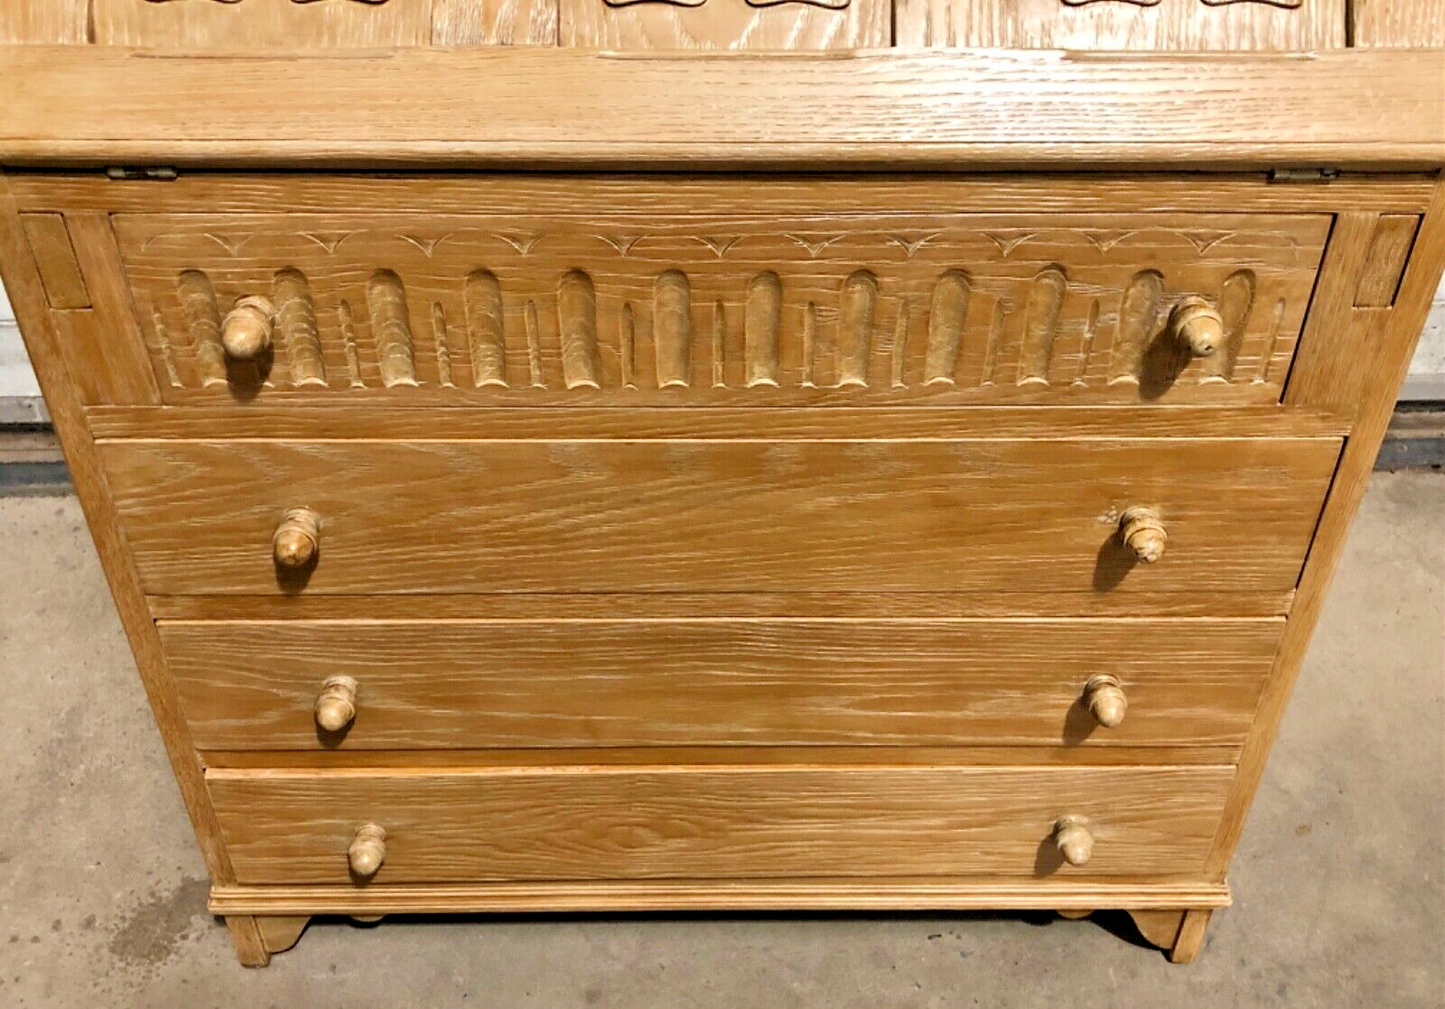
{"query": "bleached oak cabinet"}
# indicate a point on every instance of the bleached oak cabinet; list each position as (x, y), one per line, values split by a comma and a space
(899, 467)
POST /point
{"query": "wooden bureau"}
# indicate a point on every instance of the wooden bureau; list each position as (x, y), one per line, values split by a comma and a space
(539, 478)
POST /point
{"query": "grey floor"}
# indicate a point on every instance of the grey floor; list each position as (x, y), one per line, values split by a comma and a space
(1339, 883)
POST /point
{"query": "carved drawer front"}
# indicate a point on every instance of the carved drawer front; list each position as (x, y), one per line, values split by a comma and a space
(709, 823)
(356, 517)
(617, 308)
(726, 24)
(1288, 25)
(421, 685)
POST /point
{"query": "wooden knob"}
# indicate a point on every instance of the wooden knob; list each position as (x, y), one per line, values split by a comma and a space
(336, 704)
(1105, 697)
(297, 539)
(1143, 532)
(1075, 840)
(246, 330)
(1196, 324)
(367, 851)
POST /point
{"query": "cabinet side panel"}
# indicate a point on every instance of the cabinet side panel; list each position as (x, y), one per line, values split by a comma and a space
(23, 284)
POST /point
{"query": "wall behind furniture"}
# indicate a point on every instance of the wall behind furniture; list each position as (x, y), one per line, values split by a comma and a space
(18, 390)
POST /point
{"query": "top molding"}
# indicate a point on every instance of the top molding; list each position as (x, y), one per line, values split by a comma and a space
(64, 106)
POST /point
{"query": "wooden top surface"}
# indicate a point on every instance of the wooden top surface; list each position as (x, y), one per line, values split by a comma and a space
(520, 107)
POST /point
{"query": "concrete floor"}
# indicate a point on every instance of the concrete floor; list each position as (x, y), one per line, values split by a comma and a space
(1339, 883)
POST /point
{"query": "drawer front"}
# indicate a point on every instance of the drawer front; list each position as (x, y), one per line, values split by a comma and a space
(693, 823)
(618, 305)
(677, 515)
(466, 684)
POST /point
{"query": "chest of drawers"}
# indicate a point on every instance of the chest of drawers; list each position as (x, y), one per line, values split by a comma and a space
(945, 532)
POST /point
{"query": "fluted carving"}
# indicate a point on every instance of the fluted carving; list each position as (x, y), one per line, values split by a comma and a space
(855, 328)
(296, 319)
(203, 323)
(391, 328)
(577, 322)
(672, 329)
(762, 317)
(1046, 303)
(947, 316)
(482, 301)
(1138, 316)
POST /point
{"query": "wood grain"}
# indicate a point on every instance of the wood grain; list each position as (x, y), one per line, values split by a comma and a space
(590, 278)
(494, 22)
(660, 823)
(105, 105)
(718, 682)
(1416, 23)
(440, 517)
(681, 194)
(1385, 262)
(717, 423)
(871, 893)
(742, 605)
(49, 23)
(726, 25)
(1185, 25)
(261, 25)
(55, 259)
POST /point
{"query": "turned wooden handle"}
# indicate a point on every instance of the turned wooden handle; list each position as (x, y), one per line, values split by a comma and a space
(367, 851)
(1075, 840)
(1105, 697)
(297, 539)
(1197, 325)
(246, 330)
(1143, 533)
(336, 704)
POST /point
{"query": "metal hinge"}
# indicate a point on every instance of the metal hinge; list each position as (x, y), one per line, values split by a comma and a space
(1306, 176)
(151, 174)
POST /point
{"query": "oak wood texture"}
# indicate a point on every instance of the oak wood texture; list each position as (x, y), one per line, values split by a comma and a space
(608, 304)
(55, 258)
(1416, 23)
(678, 194)
(106, 105)
(726, 24)
(657, 823)
(1191, 936)
(257, 937)
(335, 422)
(24, 289)
(440, 517)
(1189, 25)
(48, 23)
(543, 683)
(869, 893)
(685, 605)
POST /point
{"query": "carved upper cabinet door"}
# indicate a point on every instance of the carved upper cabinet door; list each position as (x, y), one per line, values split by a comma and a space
(1123, 24)
(725, 24)
(323, 24)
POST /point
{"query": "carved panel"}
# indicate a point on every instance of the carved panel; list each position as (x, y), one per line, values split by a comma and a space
(961, 307)
(309, 24)
(1286, 25)
(726, 24)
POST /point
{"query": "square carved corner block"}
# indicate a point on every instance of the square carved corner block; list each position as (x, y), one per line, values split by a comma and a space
(584, 542)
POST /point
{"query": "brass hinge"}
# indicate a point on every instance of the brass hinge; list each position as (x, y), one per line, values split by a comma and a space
(148, 174)
(1306, 176)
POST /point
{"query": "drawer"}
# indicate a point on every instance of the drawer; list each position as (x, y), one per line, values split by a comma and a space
(586, 683)
(577, 823)
(445, 517)
(616, 303)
